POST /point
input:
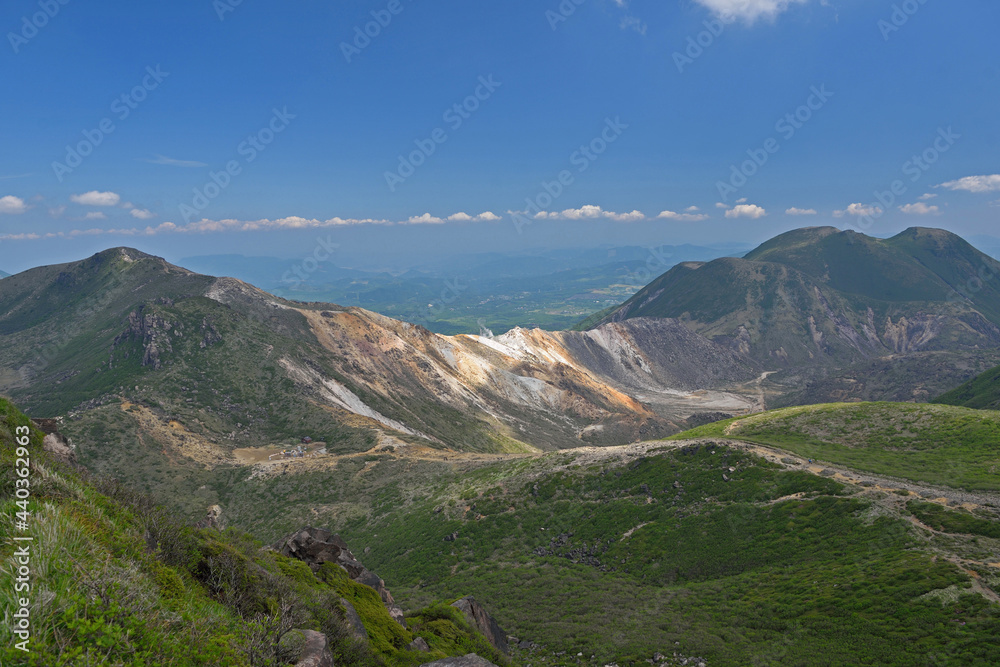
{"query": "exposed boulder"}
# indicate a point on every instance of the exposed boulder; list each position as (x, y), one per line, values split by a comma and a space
(354, 622)
(481, 620)
(59, 447)
(54, 442)
(151, 331)
(418, 644)
(315, 546)
(316, 652)
(470, 660)
(213, 519)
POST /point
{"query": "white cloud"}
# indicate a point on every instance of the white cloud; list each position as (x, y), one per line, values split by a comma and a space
(95, 215)
(633, 23)
(95, 198)
(141, 214)
(682, 217)
(746, 211)
(926, 196)
(632, 216)
(590, 212)
(858, 210)
(920, 208)
(12, 205)
(425, 219)
(692, 209)
(721, 205)
(161, 159)
(747, 10)
(485, 216)
(977, 184)
(57, 211)
(800, 211)
(741, 200)
(229, 225)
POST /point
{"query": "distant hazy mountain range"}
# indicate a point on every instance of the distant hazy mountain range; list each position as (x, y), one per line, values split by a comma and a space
(499, 291)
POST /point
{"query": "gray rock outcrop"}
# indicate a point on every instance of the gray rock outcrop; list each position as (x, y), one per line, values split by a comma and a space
(354, 623)
(481, 620)
(418, 644)
(59, 447)
(316, 652)
(213, 518)
(315, 546)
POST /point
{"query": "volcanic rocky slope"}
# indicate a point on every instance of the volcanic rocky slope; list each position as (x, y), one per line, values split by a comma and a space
(218, 360)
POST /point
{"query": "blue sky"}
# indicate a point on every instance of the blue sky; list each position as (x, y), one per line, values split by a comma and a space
(640, 107)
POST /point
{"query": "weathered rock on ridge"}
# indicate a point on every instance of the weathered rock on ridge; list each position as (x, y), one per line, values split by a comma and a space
(482, 621)
(315, 546)
(151, 331)
(213, 519)
(55, 443)
(316, 652)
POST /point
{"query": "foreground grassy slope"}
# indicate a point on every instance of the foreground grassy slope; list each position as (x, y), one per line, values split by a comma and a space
(937, 444)
(619, 559)
(619, 554)
(115, 580)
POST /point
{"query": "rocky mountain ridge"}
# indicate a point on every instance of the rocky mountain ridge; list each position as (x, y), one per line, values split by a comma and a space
(225, 359)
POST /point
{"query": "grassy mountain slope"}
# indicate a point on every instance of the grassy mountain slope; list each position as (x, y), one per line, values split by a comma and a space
(621, 556)
(937, 444)
(114, 579)
(124, 323)
(706, 547)
(855, 264)
(819, 296)
(982, 392)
